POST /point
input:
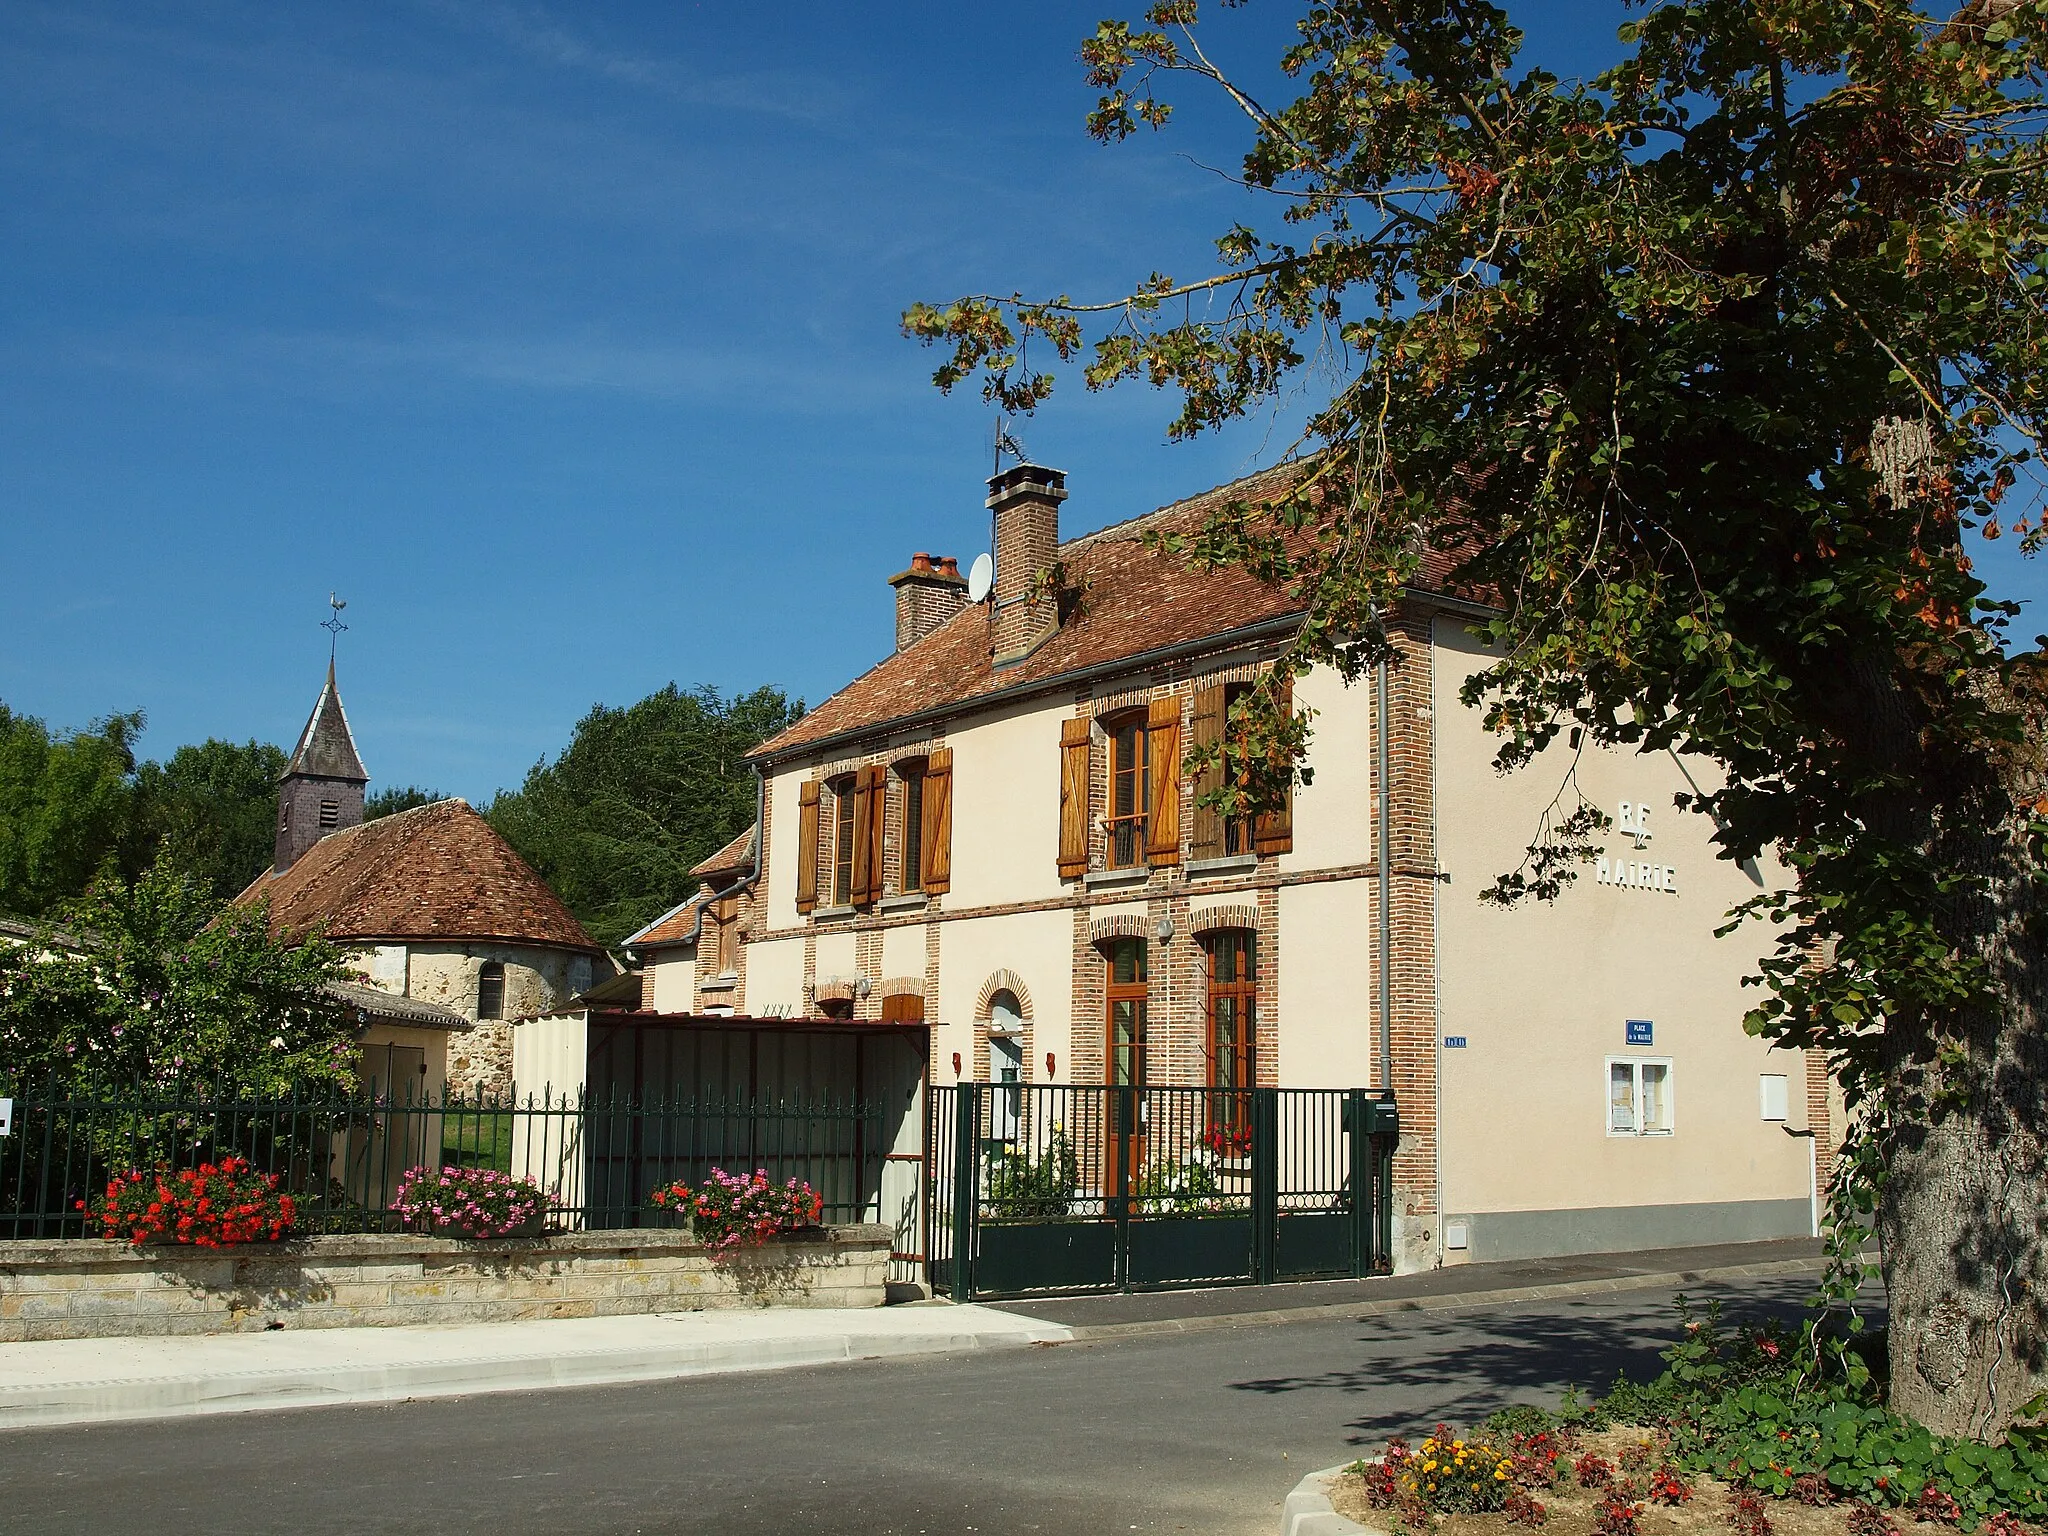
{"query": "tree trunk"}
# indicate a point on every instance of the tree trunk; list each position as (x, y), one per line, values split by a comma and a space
(1963, 1214)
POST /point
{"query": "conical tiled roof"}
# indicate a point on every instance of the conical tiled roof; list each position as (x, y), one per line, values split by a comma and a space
(326, 749)
(437, 871)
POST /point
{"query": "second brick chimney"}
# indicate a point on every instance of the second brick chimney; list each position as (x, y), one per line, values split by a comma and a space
(1026, 502)
(927, 595)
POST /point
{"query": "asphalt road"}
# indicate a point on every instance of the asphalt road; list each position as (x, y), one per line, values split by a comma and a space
(1201, 1432)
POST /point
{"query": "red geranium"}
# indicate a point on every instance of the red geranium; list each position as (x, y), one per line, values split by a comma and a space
(211, 1206)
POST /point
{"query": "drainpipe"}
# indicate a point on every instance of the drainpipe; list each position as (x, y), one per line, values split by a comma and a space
(1386, 925)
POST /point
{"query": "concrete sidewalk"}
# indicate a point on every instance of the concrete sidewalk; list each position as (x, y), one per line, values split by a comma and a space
(75, 1381)
(1454, 1286)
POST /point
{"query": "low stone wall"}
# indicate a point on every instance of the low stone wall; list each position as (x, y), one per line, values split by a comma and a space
(86, 1288)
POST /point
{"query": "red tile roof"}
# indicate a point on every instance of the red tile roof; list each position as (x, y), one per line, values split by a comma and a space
(734, 857)
(674, 926)
(1134, 601)
(437, 871)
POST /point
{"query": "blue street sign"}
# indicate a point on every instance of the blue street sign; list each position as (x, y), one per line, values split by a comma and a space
(1454, 1042)
(1640, 1032)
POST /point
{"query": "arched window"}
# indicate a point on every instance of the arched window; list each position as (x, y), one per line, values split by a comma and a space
(1233, 1031)
(1006, 1064)
(490, 991)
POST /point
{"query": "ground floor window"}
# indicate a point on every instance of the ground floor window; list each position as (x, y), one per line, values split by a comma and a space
(1638, 1097)
(1233, 1015)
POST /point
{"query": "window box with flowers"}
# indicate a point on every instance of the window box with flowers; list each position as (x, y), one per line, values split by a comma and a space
(474, 1203)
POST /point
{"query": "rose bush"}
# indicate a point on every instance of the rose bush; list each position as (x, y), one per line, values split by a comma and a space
(471, 1202)
(210, 1206)
(728, 1211)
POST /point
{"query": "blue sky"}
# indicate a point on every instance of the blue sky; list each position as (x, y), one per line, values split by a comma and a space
(561, 341)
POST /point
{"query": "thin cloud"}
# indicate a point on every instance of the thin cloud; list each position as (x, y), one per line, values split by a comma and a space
(529, 30)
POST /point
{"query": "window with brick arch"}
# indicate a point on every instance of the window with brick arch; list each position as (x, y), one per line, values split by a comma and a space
(1126, 995)
(1130, 792)
(910, 836)
(1231, 957)
(842, 841)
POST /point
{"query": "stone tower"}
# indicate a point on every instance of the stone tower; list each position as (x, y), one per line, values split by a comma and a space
(322, 787)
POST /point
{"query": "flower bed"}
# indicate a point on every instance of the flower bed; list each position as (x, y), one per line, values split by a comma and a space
(729, 1211)
(471, 1203)
(1734, 1436)
(211, 1206)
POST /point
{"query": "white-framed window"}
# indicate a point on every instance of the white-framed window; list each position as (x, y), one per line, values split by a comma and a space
(1639, 1096)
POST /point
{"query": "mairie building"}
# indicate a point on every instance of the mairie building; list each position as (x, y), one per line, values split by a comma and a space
(990, 833)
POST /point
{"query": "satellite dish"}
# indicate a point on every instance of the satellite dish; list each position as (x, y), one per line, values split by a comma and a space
(980, 577)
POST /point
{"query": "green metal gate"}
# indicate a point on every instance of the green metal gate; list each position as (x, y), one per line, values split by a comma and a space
(1066, 1188)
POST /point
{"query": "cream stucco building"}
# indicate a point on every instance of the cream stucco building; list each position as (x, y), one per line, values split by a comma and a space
(990, 832)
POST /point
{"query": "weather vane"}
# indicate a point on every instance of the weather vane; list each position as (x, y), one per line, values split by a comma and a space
(333, 624)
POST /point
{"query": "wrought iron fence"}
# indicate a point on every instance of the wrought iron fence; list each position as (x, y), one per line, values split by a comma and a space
(342, 1156)
(1049, 1187)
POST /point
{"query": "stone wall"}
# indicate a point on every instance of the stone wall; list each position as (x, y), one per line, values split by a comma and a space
(68, 1288)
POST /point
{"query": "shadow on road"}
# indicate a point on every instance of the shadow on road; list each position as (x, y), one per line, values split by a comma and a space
(1459, 1368)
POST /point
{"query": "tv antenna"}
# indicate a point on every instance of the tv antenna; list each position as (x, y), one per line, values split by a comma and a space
(1006, 442)
(333, 624)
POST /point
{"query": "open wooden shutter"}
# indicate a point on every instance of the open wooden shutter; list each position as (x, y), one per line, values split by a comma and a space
(1162, 772)
(1206, 841)
(1074, 745)
(864, 850)
(1274, 831)
(878, 829)
(938, 821)
(807, 847)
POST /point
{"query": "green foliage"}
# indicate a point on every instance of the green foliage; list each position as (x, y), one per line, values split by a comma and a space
(1751, 1408)
(170, 989)
(64, 806)
(640, 795)
(389, 802)
(1166, 1185)
(212, 809)
(1019, 1187)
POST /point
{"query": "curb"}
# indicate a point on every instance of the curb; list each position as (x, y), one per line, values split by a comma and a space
(1307, 1511)
(176, 1393)
(1457, 1301)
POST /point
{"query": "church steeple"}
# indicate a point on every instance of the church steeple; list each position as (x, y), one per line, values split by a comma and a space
(322, 787)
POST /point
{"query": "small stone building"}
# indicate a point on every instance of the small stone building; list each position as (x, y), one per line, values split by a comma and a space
(437, 907)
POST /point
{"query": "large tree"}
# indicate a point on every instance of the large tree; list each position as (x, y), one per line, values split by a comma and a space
(212, 809)
(64, 806)
(638, 796)
(1701, 370)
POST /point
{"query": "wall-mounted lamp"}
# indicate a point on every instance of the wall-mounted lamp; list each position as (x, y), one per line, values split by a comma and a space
(956, 1063)
(1165, 929)
(863, 987)
(1048, 1064)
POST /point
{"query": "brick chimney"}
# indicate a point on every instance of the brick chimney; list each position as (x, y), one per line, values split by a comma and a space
(1026, 502)
(927, 595)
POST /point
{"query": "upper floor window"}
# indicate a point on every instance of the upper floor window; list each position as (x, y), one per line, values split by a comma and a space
(911, 838)
(1130, 790)
(843, 825)
(490, 991)
(1237, 830)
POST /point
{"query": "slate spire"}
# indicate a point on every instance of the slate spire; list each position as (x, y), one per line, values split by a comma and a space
(322, 787)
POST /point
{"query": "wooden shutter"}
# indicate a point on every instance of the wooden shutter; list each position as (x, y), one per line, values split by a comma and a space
(1162, 771)
(864, 848)
(1274, 831)
(1206, 841)
(1074, 750)
(807, 847)
(938, 821)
